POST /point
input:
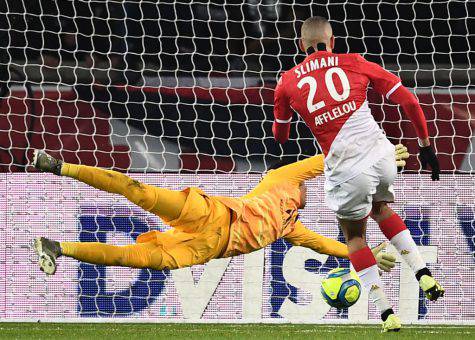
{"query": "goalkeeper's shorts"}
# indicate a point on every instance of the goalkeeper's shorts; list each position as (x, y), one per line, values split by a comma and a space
(352, 200)
(200, 234)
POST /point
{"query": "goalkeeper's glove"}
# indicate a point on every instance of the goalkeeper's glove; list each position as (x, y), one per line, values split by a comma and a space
(428, 156)
(401, 156)
(385, 261)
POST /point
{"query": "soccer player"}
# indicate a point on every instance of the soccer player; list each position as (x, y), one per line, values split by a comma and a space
(204, 227)
(328, 91)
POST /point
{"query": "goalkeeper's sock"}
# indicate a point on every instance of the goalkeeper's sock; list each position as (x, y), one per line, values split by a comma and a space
(365, 266)
(105, 180)
(397, 233)
(167, 204)
(95, 252)
(141, 255)
(70, 170)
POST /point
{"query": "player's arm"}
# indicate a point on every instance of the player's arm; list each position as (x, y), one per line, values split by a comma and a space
(312, 167)
(304, 237)
(307, 169)
(299, 171)
(390, 86)
(413, 110)
(296, 172)
(282, 113)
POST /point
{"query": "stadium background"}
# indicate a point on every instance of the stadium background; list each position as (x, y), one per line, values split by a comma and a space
(177, 87)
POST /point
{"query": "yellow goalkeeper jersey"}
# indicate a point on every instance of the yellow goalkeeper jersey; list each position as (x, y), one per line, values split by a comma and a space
(262, 219)
(270, 212)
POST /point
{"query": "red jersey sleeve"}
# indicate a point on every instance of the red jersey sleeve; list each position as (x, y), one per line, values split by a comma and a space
(383, 82)
(282, 113)
(412, 109)
(389, 85)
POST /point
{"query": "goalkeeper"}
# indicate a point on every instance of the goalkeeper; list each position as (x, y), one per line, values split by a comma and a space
(204, 227)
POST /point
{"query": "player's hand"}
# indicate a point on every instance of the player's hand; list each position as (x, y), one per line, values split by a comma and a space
(385, 261)
(401, 155)
(428, 156)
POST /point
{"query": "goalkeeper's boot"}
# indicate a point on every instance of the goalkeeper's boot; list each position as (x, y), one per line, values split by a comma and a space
(48, 251)
(392, 324)
(46, 163)
(432, 289)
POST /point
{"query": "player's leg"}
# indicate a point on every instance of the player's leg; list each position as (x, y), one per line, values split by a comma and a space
(163, 251)
(140, 255)
(352, 203)
(365, 264)
(165, 203)
(395, 230)
(201, 214)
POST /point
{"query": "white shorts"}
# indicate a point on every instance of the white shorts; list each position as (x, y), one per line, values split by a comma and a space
(352, 200)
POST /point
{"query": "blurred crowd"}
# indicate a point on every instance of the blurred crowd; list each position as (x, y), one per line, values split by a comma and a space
(225, 35)
(201, 37)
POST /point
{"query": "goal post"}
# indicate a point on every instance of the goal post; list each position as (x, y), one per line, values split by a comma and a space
(180, 93)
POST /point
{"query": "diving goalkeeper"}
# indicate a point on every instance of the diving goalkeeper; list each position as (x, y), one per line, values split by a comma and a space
(204, 227)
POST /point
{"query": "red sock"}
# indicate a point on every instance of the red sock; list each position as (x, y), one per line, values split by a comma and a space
(392, 226)
(396, 231)
(365, 265)
(362, 259)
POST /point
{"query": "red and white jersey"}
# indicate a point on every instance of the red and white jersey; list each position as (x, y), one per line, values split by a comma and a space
(328, 91)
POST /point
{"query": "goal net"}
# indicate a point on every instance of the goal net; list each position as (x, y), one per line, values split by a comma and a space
(179, 94)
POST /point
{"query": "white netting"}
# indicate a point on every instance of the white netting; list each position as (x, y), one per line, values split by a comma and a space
(173, 86)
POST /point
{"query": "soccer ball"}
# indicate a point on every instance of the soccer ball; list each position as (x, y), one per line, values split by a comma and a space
(341, 288)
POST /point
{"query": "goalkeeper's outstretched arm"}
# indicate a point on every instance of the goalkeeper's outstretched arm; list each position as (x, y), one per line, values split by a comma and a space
(297, 173)
(307, 169)
(304, 237)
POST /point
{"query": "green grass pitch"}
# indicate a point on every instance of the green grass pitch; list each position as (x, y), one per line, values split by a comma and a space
(118, 331)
